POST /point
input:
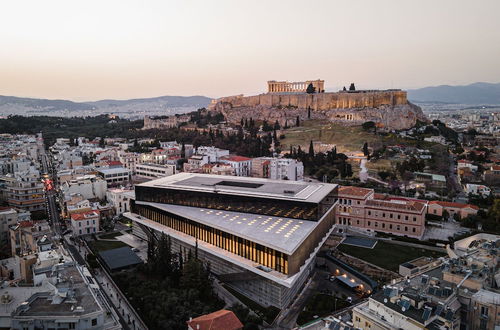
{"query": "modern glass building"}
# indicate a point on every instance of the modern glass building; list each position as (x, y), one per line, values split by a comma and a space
(260, 236)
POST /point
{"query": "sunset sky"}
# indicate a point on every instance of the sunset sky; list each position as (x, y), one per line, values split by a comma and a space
(89, 50)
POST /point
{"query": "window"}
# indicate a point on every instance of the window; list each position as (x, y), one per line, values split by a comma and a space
(383, 225)
(484, 311)
(383, 215)
(369, 212)
(406, 228)
(94, 322)
(390, 215)
(414, 229)
(369, 223)
(414, 218)
(406, 217)
(399, 216)
(390, 226)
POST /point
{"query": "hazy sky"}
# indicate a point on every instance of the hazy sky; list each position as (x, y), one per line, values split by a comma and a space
(88, 50)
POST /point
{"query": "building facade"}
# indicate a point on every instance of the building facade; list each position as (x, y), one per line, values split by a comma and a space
(84, 223)
(359, 208)
(153, 171)
(260, 236)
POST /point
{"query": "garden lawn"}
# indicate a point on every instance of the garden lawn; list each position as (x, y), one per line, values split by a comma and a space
(388, 256)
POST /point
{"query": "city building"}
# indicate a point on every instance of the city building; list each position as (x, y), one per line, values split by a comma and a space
(119, 198)
(477, 189)
(361, 208)
(260, 236)
(24, 190)
(83, 223)
(25, 235)
(153, 171)
(458, 292)
(422, 302)
(116, 176)
(440, 208)
(89, 186)
(242, 165)
(277, 168)
(9, 217)
(62, 295)
(222, 319)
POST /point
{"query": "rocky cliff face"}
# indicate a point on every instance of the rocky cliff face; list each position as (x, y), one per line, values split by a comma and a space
(389, 109)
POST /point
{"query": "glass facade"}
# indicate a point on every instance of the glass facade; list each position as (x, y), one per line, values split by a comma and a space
(246, 204)
(244, 248)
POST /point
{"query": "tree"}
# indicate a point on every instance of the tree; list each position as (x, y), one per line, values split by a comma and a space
(183, 150)
(366, 152)
(308, 112)
(297, 121)
(286, 124)
(277, 125)
(367, 125)
(101, 143)
(352, 87)
(344, 89)
(311, 150)
(384, 175)
(310, 89)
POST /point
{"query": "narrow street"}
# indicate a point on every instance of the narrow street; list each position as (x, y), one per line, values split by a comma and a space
(108, 290)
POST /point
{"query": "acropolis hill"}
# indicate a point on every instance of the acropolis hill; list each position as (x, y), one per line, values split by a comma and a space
(284, 101)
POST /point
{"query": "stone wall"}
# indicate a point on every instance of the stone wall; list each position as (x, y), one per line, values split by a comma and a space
(389, 109)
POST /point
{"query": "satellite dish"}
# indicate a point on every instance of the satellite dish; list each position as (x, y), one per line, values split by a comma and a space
(403, 309)
(385, 300)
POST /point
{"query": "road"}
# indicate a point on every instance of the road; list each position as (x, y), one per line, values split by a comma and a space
(108, 290)
(50, 195)
(288, 317)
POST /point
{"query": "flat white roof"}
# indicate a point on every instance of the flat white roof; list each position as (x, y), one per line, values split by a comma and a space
(299, 191)
(279, 233)
(114, 170)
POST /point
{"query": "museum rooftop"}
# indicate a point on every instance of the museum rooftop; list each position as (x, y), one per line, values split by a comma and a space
(310, 192)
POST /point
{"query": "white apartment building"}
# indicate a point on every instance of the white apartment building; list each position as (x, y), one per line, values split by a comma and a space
(153, 171)
(9, 217)
(119, 198)
(24, 190)
(213, 153)
(477, 189)
(242, 165)
(286, 169)
(84, 223)
(115, 176)
(89, 186)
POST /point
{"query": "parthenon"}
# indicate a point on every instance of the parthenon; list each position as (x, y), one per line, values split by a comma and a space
(295, 87)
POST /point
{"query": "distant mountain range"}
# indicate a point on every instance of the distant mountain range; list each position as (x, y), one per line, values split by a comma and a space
(119, 105)
(477, 93)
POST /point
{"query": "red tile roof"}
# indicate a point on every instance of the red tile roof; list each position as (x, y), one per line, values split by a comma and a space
(84, 215)
(354, 191)
(220, 320)
(114, 163)
(407, 206)
(26, 224)
(456, 205)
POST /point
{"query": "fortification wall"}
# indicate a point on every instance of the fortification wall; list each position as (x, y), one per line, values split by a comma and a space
(318, 102)
(389, 109)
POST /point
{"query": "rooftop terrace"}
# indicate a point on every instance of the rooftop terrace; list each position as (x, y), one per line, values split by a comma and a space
(257, 187)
